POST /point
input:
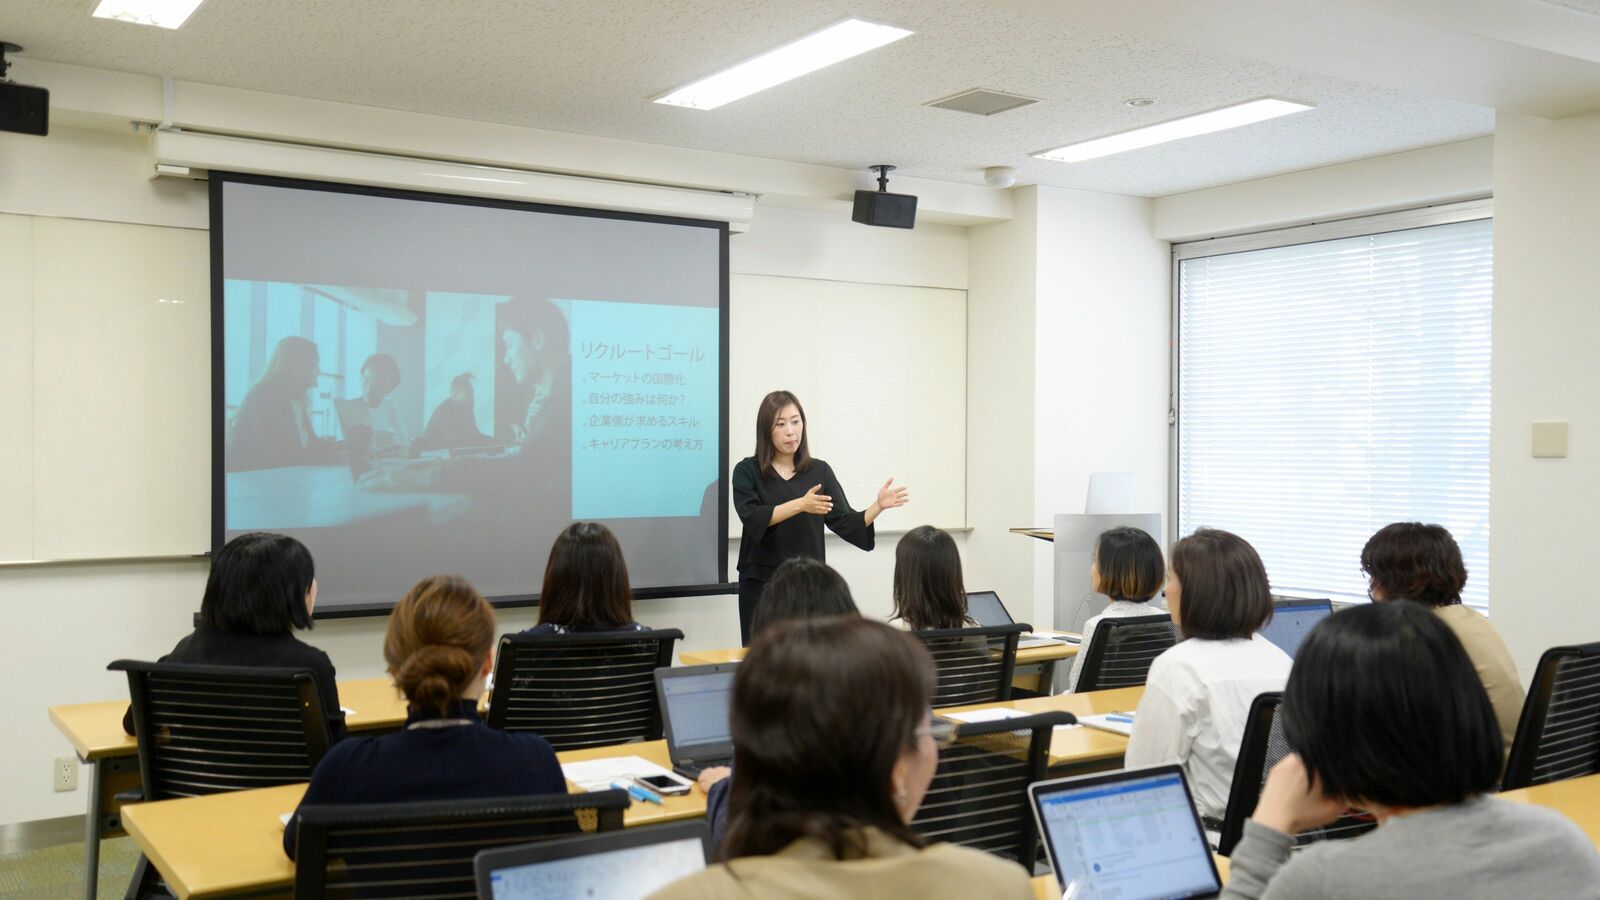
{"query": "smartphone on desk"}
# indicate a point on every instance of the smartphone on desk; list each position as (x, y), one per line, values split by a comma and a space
(666, 785)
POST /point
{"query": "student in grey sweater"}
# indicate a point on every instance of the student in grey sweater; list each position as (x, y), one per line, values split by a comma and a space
(1385, 713)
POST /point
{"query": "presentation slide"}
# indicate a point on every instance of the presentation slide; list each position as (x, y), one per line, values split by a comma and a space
(414, 385)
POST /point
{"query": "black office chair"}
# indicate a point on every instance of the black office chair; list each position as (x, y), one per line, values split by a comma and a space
(581, 690)
(425, 850)
(1558, 735)
(1121, 650)
(979, 794)
(1262, 748)
(212, 729)
(975, 664)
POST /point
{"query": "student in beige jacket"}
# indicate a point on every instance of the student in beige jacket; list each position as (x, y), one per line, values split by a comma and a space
(834, 747)
(1412, 561)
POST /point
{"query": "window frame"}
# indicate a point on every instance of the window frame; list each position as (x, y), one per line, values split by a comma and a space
(1310, 233)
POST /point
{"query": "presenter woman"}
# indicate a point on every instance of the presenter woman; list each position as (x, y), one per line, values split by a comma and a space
(783, 497)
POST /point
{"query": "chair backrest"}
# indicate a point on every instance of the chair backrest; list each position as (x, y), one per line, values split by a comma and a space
(1262, 748)
(1558, 735)
(581, 690)
(979, 794)
(425, 850)
(1121, 651)
(212, 729)
(975, 664)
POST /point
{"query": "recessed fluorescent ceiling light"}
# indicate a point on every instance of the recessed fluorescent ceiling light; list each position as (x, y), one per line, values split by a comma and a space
(851, 37)
(1177, 129)
(160, 13)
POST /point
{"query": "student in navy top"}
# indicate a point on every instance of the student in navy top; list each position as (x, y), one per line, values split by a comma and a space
(438, 650)
(801, 588)
(585, 584)
(261, 588)
(783, 496)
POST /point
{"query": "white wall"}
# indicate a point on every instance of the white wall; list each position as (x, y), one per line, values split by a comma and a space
(87, 615)
(1545, 513)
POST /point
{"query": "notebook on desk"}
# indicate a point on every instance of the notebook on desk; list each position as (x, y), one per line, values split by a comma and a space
(695, 703)
(985, 608)
(1133, 835)
(617, 865)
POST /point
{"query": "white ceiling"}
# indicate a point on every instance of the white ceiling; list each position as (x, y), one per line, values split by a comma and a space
(591, 67)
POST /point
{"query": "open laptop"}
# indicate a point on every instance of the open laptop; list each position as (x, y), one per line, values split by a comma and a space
(617, 865)
(986, 609)
(695, 703)
(1293, 619)
(1133, 835)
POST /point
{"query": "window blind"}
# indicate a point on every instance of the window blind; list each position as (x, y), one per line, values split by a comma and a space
(1327, 389)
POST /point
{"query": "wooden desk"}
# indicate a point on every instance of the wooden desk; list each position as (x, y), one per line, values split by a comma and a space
(232, 843)
(1577, 798)
(95, 732)
(1037, 680)
(1074, 751)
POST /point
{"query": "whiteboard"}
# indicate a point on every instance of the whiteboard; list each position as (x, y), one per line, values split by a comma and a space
(107, 444)
(882, 373)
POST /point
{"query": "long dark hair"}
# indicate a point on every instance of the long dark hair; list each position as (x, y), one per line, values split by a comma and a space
(1426, 732)
(929, 592)
(290, 357)
(771, 405)
(586, 580)
(258, 585)
(803, 588)
(822, 711)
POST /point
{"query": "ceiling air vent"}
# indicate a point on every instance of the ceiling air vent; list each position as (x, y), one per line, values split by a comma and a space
(981, 102)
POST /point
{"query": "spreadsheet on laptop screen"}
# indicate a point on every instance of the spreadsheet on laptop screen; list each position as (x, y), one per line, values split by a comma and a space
(1134, 839)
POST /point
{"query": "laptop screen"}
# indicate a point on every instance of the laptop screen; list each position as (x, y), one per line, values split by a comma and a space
(1131, 835)
(986, 609)
(1292, 620)
(696, 707)
(631, 873)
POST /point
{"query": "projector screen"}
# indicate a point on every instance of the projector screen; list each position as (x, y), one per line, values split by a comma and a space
(414, 384)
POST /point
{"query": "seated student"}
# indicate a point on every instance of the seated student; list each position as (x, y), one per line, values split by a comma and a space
(261, 588)
(1127, 567)
(1412, 561)
(834, 748)
(1199, 691)
(928, 590)
(1417, 747)
(437, 648)
(585, 584)
(800, 588)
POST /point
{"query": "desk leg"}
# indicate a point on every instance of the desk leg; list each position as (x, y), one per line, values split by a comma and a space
(91, 833)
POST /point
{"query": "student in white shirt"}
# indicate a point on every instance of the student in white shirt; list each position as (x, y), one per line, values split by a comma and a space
(1127, 567)
(380, 375)
(1199, 692)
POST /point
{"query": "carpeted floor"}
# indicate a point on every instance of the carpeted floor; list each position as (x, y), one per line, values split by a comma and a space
(57, 872)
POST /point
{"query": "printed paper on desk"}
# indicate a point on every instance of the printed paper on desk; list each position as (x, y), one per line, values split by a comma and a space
(985, 715)
(1119, 723)
(598, 774)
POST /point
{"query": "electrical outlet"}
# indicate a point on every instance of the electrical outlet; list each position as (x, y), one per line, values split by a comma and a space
(65, 776)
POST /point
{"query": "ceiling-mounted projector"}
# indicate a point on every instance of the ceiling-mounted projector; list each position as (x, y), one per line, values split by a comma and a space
(23, 108)
(882, 208)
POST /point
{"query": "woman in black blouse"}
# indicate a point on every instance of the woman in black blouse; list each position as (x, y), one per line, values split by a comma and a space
(783, 497)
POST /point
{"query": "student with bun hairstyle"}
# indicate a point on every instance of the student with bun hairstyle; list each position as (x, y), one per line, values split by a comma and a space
(1383, 714)
(438, 650)
(585, 584)
(1198, 694)
(834, 748)
(929, 592)
(1413, 561)
(1127, 567)
(262, 587)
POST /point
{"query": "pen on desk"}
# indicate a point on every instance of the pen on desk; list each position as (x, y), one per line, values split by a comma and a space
(638, 793)
(1120, 718)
